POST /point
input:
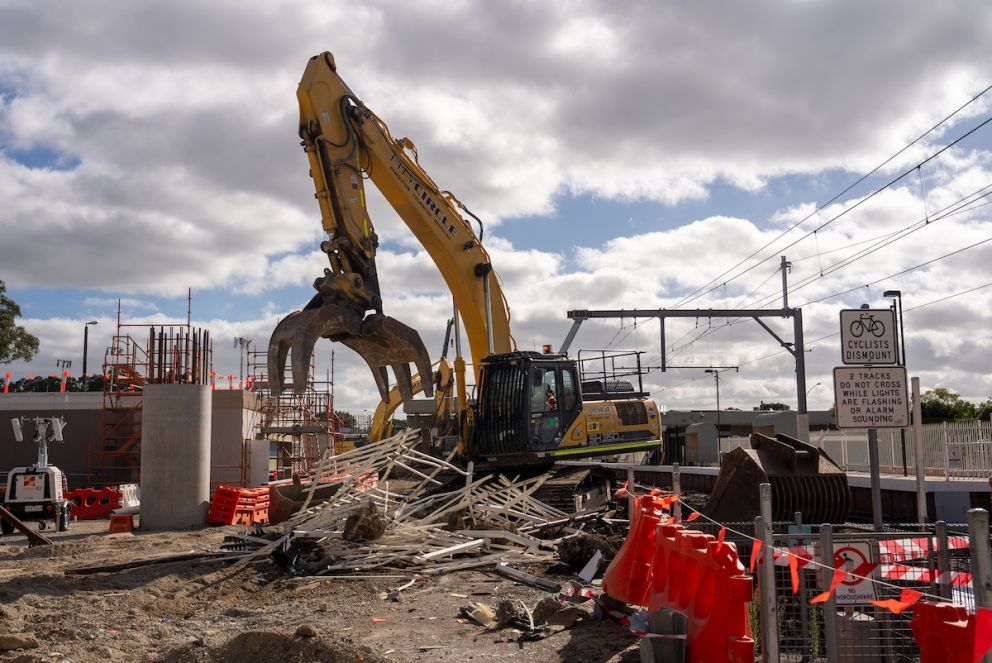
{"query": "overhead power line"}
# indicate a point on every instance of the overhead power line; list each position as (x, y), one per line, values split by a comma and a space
(720, 280)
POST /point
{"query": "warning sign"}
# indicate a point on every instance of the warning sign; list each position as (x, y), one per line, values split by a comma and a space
(868, 336)
(855, 558)
(32, 487)
(871, 397)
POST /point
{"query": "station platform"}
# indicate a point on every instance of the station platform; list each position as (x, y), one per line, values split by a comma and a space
(947, 499)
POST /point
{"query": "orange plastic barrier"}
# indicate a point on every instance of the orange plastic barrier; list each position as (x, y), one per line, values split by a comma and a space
(120, 523)
(944, 632)
(239, 506)
(628, 578)
(93, 503)
(691, 573)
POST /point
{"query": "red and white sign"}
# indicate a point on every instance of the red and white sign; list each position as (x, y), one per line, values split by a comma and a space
(31, 487)
(855, 558)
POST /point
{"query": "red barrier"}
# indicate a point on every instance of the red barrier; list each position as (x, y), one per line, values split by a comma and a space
(628, 578)
(691, 573)
(93, 503)
(239, 506)
(944, 632)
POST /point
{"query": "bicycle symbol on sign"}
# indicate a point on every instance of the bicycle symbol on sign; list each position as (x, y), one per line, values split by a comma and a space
(866, 322)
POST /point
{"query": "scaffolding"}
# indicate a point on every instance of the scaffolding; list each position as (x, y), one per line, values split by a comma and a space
(298, 426)
(165, 354)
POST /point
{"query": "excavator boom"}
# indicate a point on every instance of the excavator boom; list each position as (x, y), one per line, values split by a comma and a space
(347, 143)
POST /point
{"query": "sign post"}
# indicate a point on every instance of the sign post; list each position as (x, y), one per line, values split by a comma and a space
(868, 391)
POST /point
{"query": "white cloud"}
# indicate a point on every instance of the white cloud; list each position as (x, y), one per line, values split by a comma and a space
(182, 116)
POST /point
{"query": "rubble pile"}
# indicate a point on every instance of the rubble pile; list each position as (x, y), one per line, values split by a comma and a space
(437, 525)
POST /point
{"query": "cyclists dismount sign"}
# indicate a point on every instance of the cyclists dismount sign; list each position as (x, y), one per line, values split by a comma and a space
(868, 336)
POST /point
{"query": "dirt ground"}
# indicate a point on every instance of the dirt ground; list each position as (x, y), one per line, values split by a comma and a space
(205, 611)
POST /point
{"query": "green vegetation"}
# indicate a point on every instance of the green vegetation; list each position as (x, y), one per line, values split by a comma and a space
(942, 404)
(15, 341)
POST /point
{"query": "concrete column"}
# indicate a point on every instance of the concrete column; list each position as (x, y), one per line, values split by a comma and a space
(175, 456)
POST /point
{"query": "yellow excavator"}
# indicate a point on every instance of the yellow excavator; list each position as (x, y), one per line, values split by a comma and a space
(529, 408)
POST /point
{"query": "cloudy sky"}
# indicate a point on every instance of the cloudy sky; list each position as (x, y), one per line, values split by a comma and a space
(622, 155)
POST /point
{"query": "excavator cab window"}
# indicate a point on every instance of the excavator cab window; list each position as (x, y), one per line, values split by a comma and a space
(568, 395)
(545, 418)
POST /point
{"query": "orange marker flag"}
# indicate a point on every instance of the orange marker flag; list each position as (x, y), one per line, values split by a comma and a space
(794, 572)
(905, 600)
(692, 516)
(983, 633)
(623, 489)
(755, 551)
(655, 492)
(839, 577)
(719, 538)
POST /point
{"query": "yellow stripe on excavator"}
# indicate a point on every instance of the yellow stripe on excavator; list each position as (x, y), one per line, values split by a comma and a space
(605, 448)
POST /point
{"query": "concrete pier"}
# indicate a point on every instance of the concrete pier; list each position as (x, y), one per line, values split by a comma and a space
(175, 456)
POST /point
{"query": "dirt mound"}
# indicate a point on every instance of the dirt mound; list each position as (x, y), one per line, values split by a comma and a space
(578, 550)
(263, 646)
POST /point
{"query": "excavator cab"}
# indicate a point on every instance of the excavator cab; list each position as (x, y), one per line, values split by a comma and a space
(527, 401)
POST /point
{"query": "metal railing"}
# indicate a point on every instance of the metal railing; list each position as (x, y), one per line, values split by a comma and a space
(958, 450)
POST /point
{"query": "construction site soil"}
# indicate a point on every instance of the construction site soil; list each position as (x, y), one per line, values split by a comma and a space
(209, 611)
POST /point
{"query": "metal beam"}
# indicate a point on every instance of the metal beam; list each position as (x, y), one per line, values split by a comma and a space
(786, 345)
(567, 343)
(582, 314)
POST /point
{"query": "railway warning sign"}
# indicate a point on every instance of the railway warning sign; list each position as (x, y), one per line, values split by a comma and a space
(871, 397)
(868, 336)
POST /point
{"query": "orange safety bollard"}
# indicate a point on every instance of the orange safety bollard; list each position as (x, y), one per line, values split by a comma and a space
(944, 632)
(628, 577)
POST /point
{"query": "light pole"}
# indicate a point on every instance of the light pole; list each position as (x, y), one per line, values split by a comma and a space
(812, 388)
(86, 346)
(897, 297)
(243, 343)
(716, 376)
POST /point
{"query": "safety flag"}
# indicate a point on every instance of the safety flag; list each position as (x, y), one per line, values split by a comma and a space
(983, 633)
(839, 576)
(905, 600)
(623, 489)
(719, 538)
(692, 516)
(755, 549)
(794, 572)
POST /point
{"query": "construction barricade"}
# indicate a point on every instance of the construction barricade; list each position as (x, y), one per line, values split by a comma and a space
(94, 503)
(668, 566)
(239, 506)
(944, 632)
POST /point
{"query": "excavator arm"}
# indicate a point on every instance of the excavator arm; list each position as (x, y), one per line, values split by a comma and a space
(346, 143)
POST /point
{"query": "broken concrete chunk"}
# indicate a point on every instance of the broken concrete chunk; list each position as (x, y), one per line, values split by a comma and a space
(307, 631)
(577, 550)
(511, 613)
(366, 525)
(573, 614)
(546, 607)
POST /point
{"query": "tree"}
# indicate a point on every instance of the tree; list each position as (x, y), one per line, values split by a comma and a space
(347, 418)
(985, 410)
(774, 407)
(15, 341)
(942, 404)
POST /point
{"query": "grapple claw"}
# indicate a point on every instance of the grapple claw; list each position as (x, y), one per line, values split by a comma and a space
(381, 341)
